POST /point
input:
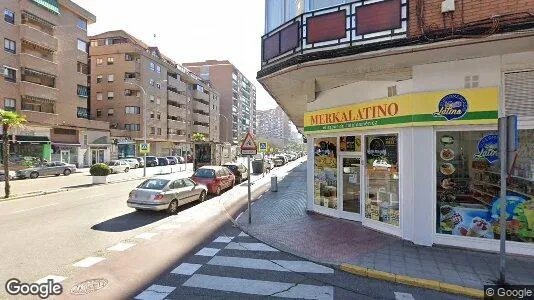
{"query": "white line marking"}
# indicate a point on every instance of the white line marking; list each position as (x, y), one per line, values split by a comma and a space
(207, 252)
(93, 196)
(121, 247)
(304, 266)
(89, 261)
(250, 247)
(37, 207)
(168, 226)
(186, 269)
(243, 234)
(55, 278)
(403, 296)
(146, 235)
(260, 287)
(223, 239)
(275, 265)
(155, 292)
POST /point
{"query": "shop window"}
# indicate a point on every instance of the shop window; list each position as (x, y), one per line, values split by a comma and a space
(468, 186)
(325, 172)
(350, 143)
(382, 179)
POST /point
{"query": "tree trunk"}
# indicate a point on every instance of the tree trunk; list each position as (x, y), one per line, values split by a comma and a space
(5, 138)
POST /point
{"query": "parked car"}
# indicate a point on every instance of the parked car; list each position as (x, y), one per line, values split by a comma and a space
(278, 161)
(141, 162)
(163, 161)
(51, 168)
(166, 193)
(151, 161)
(381, 164)
(240, 172)
(269, 164)
(173, 160)
(12, 175)
(180, 159)
(283, 158)
(118, 166)
(132, 162)
(215, 178)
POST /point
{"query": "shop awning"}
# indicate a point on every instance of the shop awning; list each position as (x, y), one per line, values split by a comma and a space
(66, 144)
(49, 4)
(28, 139)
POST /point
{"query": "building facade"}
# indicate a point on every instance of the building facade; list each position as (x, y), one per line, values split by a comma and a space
(45, 79)
(238, 97)
(400, 113)
(126, 75)
(273, 125)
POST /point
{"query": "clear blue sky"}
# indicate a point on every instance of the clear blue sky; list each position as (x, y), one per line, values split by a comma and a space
(191, 30)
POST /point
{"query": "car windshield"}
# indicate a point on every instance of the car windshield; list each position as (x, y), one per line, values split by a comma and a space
(231, 167)
(111, 163)
(205, 173)
(153, 184)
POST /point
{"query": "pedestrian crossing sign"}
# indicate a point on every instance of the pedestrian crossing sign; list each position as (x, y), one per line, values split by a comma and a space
(248, 147)
(144, 148)
(263, 147)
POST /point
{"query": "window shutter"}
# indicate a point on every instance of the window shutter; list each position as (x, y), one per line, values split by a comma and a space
(519, 94)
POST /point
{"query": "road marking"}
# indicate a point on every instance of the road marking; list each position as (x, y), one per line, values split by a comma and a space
(207, 252)
(121, 247)
(243, 234)
(146, 235)
(186, 269)
(250, 247)
(93, 196)
(55, 278)
(155, 292)
(304, 266)
(223, 239)
(89, 261)
(168, 226)
(403, 296)
(260, 287)
(274, 265)
(37, 207)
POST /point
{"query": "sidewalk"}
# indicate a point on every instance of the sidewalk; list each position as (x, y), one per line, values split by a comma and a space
(280, 219)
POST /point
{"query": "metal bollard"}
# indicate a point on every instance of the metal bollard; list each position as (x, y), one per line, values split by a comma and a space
(274, 183)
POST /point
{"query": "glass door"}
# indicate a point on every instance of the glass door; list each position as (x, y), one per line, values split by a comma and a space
(351, 187)
(65, 156)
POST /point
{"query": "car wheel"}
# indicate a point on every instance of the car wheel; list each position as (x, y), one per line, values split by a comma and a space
(34, 175)
(126, 170)
(136, 166)
(57, 174)
(173, 207)
(202, 196)
(173, 163)
(67, 172)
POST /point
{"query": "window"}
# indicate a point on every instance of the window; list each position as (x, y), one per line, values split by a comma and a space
(81, 112)
(152, 115)
(151, 82)
(11, 74)
(99, 79)
(152, 66)
(159, 116)
(82, 68)
(82, 91)
(158, 69)
(10, 46)
(9, 104)
(135, 110)
(132, 127)
(99, 113)
(325, 172)
(82, 24)
(111, 78)
(152, 130)
(128, 57)
(110, 95)
(159, 131)
(82, 46)
(158, 85)
(9, 16)
(99, 61)
(98, 96)
(280, 11)
(111, 111)
(158, 101)
(151, 98)
(111, 60)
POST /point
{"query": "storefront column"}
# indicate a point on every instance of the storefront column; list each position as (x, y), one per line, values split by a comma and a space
(47, 152)
(309, 174)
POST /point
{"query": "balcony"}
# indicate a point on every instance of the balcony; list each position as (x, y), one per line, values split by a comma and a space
(38, 91)
(200, 129)
(176, 111)
(38, 63)
(201, 118)
(176, 125)
(178, 98)
(177, 83)
(201, 95)
(197, 105)
(175, 137)
(38, 37)
(336, 28)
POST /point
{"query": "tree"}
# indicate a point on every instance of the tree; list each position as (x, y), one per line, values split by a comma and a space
(198, 137)
(9, 119)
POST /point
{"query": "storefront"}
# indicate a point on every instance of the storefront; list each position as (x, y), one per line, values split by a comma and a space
(422, 166)
(65, 152)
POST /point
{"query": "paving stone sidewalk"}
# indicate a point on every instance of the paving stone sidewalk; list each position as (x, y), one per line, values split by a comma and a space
(280, 219)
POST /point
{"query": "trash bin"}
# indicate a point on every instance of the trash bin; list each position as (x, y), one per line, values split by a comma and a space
(257, 166)
(274, 183)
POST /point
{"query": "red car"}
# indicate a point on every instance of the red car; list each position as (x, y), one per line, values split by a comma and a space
(216, 178)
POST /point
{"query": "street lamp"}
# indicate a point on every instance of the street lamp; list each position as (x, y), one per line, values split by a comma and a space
(144, 120)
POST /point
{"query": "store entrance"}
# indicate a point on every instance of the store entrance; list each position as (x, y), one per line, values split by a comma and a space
(350, 187)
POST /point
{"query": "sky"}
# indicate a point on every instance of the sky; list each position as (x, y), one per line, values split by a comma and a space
(191, 30)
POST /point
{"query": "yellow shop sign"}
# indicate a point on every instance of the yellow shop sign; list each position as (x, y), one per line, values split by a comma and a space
(468, 106)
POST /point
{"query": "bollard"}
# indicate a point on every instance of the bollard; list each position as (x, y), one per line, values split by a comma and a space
(274, 183)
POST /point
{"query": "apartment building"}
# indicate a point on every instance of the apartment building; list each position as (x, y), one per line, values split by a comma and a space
(45, 78)
(238, 97)
(273, 125)
(140, 91)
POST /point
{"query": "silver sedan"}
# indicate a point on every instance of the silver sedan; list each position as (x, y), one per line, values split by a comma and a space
(52, 168)
(166, 193)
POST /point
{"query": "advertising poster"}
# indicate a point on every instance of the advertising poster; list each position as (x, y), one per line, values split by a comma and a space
(325, 172)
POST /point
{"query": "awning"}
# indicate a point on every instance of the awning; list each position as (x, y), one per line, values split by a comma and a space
(28, 139)
(66, 144)
(49, 4)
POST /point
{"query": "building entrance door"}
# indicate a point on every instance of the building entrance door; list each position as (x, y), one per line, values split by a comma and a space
(65, 156)
(350, 200)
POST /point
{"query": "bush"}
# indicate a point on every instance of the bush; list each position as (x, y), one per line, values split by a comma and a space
(100, 170)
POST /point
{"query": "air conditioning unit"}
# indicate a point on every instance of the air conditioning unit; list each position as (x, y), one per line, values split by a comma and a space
(447, 6)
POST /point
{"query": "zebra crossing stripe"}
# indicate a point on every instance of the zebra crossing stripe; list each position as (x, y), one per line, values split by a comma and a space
(55, 279)
(155, 292)
(403, 296)
(186, 269)
(223, 239)
(260, 287)
(274, 265)
(250, 247)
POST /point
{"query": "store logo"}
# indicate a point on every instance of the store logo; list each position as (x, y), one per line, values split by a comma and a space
(452, 107)
(488, 148)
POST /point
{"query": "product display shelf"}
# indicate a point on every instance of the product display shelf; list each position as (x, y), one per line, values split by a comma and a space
(497, 173)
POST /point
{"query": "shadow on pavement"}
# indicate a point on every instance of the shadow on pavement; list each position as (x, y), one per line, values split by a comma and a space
(130, 221)
(78, 186)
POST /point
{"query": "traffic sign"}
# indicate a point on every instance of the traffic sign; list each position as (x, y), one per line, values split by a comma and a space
(144, 148)
(248, 147)
(263, 147)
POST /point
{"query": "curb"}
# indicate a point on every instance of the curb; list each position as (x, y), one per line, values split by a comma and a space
(413, 281)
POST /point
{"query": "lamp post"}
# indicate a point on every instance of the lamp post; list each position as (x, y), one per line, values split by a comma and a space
(144, 121)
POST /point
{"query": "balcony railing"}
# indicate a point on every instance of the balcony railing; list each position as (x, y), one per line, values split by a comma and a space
(348, 25)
